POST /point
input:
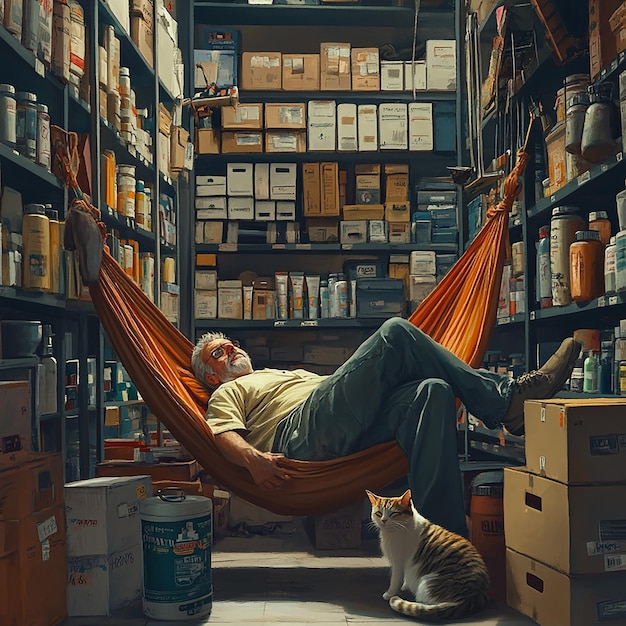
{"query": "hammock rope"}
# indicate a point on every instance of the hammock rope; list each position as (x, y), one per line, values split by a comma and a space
(459, 313)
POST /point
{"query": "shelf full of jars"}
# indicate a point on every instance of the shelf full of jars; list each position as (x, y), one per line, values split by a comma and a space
(51, 52)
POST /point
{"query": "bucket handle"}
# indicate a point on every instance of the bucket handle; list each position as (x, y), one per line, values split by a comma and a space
(171, 494)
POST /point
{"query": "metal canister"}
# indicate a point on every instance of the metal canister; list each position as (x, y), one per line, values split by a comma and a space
(574, 121)
(8, 115)
(26, 133)
(566, 220)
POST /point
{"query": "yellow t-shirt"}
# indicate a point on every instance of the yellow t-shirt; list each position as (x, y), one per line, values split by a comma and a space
(256, 402)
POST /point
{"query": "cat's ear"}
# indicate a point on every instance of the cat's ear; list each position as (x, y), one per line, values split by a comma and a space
(406, 498)
(372, 496)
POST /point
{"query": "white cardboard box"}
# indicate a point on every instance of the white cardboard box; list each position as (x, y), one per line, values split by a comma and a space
(205, 304)
(391, 75)
(393, 126)
(262, 181)
(102, 584)
(210, 185)
(347, 139)
(283, 181)
(265, 210)
(322, 125)
(421, 135)
(239, 179)
(367, 127)
(441, 64)
(240, 208)
(229, 300)
(285, 211)
(102, 514)
(417, 78)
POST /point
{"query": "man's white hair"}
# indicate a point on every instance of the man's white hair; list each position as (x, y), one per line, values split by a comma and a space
(200, 368)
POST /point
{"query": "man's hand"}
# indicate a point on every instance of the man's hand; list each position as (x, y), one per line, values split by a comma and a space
(263, 466)
(265, 469)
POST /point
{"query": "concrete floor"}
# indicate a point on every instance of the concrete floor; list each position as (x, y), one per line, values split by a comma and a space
(281, 579)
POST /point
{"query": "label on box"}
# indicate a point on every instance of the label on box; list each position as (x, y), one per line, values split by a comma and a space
(611, 610)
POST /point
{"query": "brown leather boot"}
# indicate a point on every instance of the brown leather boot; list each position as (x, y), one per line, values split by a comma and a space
(540, 384)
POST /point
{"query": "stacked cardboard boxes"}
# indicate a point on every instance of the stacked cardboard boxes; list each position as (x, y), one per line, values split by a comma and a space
(104, 549)
(565, 512)
(32, 540)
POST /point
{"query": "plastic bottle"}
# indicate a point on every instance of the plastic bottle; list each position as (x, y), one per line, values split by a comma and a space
(140, 203)
(564, 223)
(341, 296)
(43, 137)
(577, 376)
(609, 266)
(47, 375)
(586, 266)
(324, 300)
(605, 373)
(599, 220)
(620, 261)
(544, 281)
(590, 373)
(55, 249)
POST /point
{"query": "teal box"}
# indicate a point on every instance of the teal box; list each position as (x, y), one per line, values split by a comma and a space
(444, 117)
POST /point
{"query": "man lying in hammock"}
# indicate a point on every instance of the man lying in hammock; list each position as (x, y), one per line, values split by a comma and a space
(399, 384)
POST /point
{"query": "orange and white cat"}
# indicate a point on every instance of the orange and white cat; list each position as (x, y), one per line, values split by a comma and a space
(443, 570)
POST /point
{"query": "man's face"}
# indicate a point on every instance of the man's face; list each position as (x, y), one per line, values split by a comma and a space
(227, 360)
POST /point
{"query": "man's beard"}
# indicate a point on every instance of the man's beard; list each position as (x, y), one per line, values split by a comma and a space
(242, 365)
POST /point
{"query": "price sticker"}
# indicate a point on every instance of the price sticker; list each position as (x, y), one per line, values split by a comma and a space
(279, 323)
(39, 68)
(309, 323)
(346, 246)
(279, 246)
(619, 156)
(533, 315)
(304, 246)
(227, 247)
(553, 198)
(584, 178)
(602, 301)
(612, 300)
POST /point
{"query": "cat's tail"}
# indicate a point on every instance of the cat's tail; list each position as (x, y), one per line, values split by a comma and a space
(429, 612)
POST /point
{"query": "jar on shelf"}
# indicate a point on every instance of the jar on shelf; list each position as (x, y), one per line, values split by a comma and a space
(26, 128)
(36, 247)
(544, 279)
(587, 266)
(126, 190)
(620, 261)
(8, 115)
(609, 266)
(599, 220)
(564, 224)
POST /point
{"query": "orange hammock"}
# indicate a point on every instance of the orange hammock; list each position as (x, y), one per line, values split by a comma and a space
(459, 313)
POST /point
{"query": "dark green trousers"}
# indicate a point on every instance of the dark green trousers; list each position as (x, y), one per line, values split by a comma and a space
(399, 384)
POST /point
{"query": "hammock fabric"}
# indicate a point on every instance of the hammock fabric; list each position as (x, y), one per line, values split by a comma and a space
(459, 313)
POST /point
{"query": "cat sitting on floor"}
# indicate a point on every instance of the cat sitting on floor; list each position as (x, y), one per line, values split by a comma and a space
(443, 570)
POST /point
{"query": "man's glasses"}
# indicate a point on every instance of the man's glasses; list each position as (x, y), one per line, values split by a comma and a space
(220, 351)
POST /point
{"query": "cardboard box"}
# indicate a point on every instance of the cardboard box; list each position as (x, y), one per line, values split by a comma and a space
(421, 130)
(289, 115)
(240, 179)
(263, 306)
(301, 72)
(574, 529)
(34, 483)
(182, 470)
(210, 185)
(323, 230)
(577, 441)
(365, 69)
(9, 573)
(286, 141)
(229, 298)
(322, 125)
(602, 43)
(552, 598)
(207, 141)
(15, 416)
(243, 117)
(347, 139)
(329, 177)
(392, 75)
(283, 181)
(393, 126)
(42, 577)
(178, 145)
(367, 127)
(363, 211)
(205, 304)
(338, 530)
(102, 584)
(617, 21)
(142, 33)
(415, 76)
(240, 208)
(311, 189)
(441, 64)
(242, 142)
(261, 70)
(398, 211)
(335, 67)
(103, 513)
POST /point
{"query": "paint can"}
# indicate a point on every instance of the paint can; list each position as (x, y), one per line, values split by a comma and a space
(176, 535)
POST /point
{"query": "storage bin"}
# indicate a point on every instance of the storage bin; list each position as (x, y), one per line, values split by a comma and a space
(379, 297)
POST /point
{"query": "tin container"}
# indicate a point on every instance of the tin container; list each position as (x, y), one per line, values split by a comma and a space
(8, 115)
